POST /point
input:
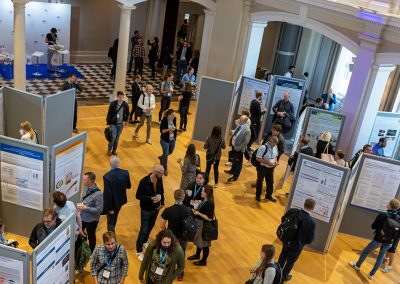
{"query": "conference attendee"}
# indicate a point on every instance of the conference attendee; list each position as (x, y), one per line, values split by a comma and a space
(167, 138)
(290, 72)
(65, 208)
(72, 83)
(339, 159)
(264, 271)
(256, 113)
(136, 92)
(189, 77)
(194, 61)
(239, 141)
(203, 213)
(304, 148)
(214, 145)
(193, 192)
(42, 230)
(90, 207)
(183, 31)
(150, 193)
(114, 55)
(183, 56)
(384, 236)
(267, 156)
(116, 182)
(174, 216)
(319, 103)
(134, 42)
(109, 261)
(153, 56)
(166, 90)
(147, 103)
(166, 59)
(390, 254)
(27, 133)
(276, 131)
(117, 116)
(164, 260)
(284, 113)
(324, 145)
(291, 250)
(138, 55)
(184, 103)
(268, 76)
(3, 239)
(367, 149)
(51, 40)
(188, 166)
(329, 99)
(379, 148)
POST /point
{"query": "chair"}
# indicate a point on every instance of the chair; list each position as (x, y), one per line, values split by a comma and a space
(37, 54)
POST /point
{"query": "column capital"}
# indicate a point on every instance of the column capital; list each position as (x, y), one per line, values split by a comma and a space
(257, 25)
(20, 1)
(209, 13)
(127, 4)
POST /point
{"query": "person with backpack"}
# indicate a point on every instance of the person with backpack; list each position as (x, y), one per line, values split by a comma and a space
(298, 229)
(266, 157)
(266, 271)
(389, 258)
(387, 229)
(175, 216)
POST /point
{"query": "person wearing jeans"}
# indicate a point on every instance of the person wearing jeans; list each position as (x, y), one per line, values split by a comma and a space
(167, 89)
(214, 145)
(150, 192)
(168, 137)
(184, 102)
(147, 103)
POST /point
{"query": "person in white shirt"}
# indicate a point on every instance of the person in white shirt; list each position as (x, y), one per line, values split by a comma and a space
(27, 133)
(265, 270)
(147, 103)
(290, 72)
(267, 156)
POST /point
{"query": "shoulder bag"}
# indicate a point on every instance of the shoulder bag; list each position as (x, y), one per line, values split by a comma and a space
(210, 230)
(139, 110)
(327, 157)
(210, 157)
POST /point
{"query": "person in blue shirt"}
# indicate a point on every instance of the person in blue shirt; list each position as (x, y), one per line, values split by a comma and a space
(379, 147)
(329, 100)
(189, 76)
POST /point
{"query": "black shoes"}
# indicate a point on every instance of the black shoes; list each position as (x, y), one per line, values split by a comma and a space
(228, 171)
(232, 179)
(258, 199)
(200, 263)
(288, 278)
(271, 199)
(193, 257)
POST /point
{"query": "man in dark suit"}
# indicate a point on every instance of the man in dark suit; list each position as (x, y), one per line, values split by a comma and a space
(305, 235)
(117, 116)
(116, 182)
(256, 112)
(183, 56)
(72, 83)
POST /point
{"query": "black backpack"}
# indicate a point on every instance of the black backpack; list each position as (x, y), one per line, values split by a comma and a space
(278, 273)
(189, 228)
(253, 159)
(287, 230)
(390, 229)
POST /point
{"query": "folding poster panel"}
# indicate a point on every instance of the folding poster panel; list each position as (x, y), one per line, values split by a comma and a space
(14, 266)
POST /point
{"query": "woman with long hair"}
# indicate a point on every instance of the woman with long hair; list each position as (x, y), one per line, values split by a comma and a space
(27, 133)
(168, 137)
(324, 145)
(184, 103)
(265, 270)
(214, 145)
(188, 167)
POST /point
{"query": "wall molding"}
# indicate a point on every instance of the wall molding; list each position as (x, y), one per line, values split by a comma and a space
(80, 57)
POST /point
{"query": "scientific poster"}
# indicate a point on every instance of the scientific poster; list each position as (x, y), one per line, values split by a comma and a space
(299, 133)
(295, 89)
(68, 169)
(52, 263)
(22, 176)
(388, 126)
(249, 89)
(11, 271)
(320, 182)
(377, 184)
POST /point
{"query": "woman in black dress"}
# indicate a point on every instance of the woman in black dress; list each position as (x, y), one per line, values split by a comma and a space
(184, 103)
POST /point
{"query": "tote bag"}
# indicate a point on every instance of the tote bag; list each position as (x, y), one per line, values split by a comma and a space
(327, 157)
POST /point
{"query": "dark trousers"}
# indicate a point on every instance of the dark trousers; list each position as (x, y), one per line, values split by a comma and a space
(130, 62)
(287, 259)
(139, 66)
(112, 220)
(75, 114)
(255, 130)
(147, 221)
(237, 163)
(165, 104)
(153, 69)
(181, 69)
(183, 244)
(183, 112)
(133, 110)
(216, 171)
(113, 69)
(90, 228)
(268, 175)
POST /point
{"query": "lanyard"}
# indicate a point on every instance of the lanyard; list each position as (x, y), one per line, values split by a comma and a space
(163, 257)
(201, 204)
(109, 258)
(196, 191)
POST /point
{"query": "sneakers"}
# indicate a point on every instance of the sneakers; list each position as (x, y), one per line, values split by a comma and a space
(228, 164)
(140, 255)
(216, 185)
(386, 269)
(148, 141)
(354, 266)
(370, 277)
(136, 135)
(146, 245)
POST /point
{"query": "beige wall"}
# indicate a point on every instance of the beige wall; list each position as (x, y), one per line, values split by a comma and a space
(269, 45)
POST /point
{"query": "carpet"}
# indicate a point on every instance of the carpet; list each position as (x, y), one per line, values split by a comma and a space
(7, 72)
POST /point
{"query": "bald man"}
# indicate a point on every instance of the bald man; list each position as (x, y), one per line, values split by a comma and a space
(147, 102)
(284, 113)
(150, 192)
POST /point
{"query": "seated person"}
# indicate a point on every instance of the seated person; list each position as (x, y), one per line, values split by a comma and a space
(284, 113)
(3, 239)
(42, 230)
(319, 103)
(27, 133)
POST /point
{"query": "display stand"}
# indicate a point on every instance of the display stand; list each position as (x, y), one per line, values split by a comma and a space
(14, 266)
(325, 183)
(376, 182)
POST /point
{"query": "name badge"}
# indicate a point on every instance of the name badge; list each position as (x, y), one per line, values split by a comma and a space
(106, 274)
(192, 202)
(159, 271)
(272, 161)
(117, 115)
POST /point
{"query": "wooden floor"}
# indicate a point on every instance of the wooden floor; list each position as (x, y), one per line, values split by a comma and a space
(244, 224)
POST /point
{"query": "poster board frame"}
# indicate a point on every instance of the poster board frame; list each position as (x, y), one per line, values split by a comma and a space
(19, 255)
(2, 114)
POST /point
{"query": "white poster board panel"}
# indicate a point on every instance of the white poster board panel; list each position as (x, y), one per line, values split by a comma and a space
(250, 86)
(299, 133)
(11, 270)
(377, 184)
(293, 87)
(387, 125)
(21, 176)
(320, 182)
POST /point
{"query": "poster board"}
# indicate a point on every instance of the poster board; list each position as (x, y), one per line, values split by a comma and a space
(67, 160)
(324, 182)
(386, 125)
(248, 89)
(24, 178)
(53, 260)
(14, 266)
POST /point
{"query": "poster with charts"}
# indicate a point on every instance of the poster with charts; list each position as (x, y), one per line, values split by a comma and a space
(387, 125)
(249, 89)
(68, 169)
(11, 271)
(22, 176)
(320, 182)
(293, 87)
(377, 184)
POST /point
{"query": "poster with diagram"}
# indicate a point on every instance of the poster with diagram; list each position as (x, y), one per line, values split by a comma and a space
(250, 87)
(295, 89)
(11, 270)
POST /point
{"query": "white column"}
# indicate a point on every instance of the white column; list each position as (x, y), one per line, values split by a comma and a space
(19, 45)
(155, 19)
(254, 40)
(123, 49)
(149, 16)
(209, 17)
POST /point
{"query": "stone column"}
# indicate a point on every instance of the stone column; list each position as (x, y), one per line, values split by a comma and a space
(252, 52)
(19, 45)
(123, 49)
(155, 19)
